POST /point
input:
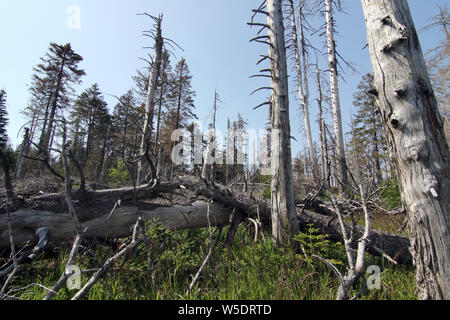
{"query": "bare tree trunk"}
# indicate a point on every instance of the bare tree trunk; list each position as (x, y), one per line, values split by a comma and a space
(178, 117)
(24, 148)
(416, 139)
(302, 77)
(335, 100)
(108, 226)
(33, 124)
(101, 171)
(227, 165)
(158, 121)
(46, 119)
(89, 133)
(284, 221)
(322, 132)
(211, 147)
(214, 165)
(150, 101)
(94, 211)
(50, 128)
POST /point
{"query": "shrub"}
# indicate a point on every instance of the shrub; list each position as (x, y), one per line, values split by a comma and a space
(120, 174)
(316, 243)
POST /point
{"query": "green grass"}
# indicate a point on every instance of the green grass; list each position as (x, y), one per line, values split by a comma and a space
(245, 271)
(382, 222)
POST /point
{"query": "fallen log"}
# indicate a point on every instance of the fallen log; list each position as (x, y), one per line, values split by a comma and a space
(394, 246)
(147, 191)
(94, 207)
(62, 227)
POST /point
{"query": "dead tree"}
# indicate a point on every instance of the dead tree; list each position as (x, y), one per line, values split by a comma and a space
(416, 139)
(150, 100)
(230, 149)
(211, 145)
(322, 131)
(299, 46)
(24, 147)
(164, 84)
(284, 220)
(335, 99)
(356, 268)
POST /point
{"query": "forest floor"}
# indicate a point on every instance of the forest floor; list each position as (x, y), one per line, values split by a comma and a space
(163, 268)
(247, 270)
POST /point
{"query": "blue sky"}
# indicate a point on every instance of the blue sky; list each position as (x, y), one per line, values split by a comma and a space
(213, 34)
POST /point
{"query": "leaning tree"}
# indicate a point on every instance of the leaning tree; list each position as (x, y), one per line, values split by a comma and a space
(416, 139)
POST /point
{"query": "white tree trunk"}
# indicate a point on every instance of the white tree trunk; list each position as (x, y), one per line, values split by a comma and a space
(118, 225)
(150, 101)
(302, 77)
(284, 221)
(416, 139)
(335, 100)
(321, 120)
(211, 147)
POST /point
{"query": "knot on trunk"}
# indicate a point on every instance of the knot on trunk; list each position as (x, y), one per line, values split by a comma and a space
(414, 149)
(402, 87)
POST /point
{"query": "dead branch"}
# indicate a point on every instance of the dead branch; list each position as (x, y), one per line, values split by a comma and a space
(111, 262)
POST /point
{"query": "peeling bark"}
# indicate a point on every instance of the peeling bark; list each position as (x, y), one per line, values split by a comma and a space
(416, 139)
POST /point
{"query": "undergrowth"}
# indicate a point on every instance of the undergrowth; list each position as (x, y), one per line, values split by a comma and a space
(164, 268)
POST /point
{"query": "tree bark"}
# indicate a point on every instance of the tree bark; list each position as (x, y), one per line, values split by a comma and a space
(211, 147)
(335, 99)
(49, 130)
(322, 131)
(96, 210)
(302, 77)
(24, 148)
(150, 101)
(164, 65)
(62, 227)
(284, 221)
(416, 139)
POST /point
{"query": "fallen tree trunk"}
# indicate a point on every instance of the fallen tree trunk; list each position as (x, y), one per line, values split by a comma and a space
(120, 225)
(142, 192)
(62, 227)
(94, 210)
(394, 246)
